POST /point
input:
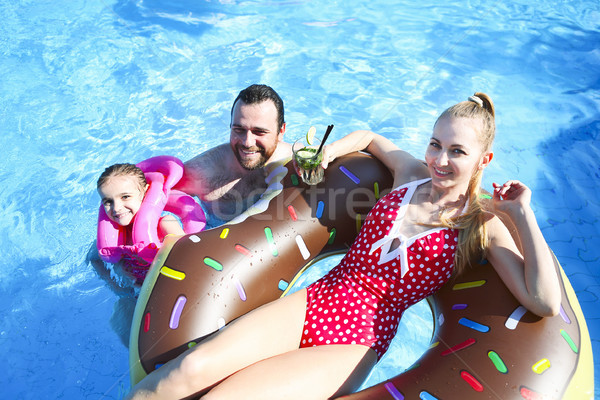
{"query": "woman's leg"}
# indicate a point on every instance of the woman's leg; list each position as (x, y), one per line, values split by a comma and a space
(270, 330)
(309, 373)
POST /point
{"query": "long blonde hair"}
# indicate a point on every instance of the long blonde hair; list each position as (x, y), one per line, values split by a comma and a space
(472, 238)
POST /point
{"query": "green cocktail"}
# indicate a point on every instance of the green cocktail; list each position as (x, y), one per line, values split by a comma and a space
(308, 162)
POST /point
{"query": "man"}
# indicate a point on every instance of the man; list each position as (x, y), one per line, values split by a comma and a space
(230, 177)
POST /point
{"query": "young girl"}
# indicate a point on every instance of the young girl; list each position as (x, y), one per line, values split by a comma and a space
(122, 188)
(322, 341)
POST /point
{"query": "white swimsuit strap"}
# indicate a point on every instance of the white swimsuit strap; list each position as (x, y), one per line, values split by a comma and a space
(411, 188)
(412, 183)
(385, 242)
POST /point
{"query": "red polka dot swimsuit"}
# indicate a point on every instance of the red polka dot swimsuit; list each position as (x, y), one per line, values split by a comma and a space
(361, 300)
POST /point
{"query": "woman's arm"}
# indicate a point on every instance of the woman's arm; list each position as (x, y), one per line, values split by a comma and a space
(380, 147)
(530, 276)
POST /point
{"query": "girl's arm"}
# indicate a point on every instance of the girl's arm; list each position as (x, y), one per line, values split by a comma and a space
(382, 148)
(169, 225)
(530, 276)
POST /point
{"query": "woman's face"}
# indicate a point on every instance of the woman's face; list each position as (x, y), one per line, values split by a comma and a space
(121, 198)
(455, 153)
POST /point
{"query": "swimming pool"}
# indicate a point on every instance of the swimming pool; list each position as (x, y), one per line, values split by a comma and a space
(87, 84)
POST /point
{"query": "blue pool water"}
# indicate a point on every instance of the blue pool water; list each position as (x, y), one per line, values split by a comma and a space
(89, 83)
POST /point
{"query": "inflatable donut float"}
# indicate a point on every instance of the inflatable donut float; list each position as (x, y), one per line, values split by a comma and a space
(485, 344)
(162, 173)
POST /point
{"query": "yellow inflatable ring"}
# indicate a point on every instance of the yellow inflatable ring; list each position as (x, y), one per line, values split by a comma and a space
(485, 345)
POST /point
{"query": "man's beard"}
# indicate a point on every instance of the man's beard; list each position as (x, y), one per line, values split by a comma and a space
(251, 165)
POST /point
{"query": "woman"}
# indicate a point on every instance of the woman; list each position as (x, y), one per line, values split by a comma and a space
(322, 341)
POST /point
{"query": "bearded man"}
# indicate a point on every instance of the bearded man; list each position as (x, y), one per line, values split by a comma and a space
(230, 178)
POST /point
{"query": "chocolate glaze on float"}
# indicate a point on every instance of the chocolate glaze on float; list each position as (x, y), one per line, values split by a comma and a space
(485, 345)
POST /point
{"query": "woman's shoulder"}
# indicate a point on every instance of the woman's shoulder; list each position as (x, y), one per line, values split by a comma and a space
(414, 170)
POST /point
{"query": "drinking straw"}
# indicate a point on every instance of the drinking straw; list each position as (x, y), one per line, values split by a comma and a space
(327, 132)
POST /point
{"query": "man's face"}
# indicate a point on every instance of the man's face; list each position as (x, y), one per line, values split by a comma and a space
(254, 133)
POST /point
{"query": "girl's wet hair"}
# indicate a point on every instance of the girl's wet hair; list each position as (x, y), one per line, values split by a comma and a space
(122, 170)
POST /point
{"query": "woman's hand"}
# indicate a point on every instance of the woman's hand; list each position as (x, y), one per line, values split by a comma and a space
(511, 198)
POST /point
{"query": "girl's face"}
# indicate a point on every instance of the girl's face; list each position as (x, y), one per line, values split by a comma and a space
(121, 197)
(455, 153)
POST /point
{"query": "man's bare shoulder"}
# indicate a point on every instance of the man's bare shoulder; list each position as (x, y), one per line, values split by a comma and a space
(199, 172)
(210, 160)
(283, 152)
